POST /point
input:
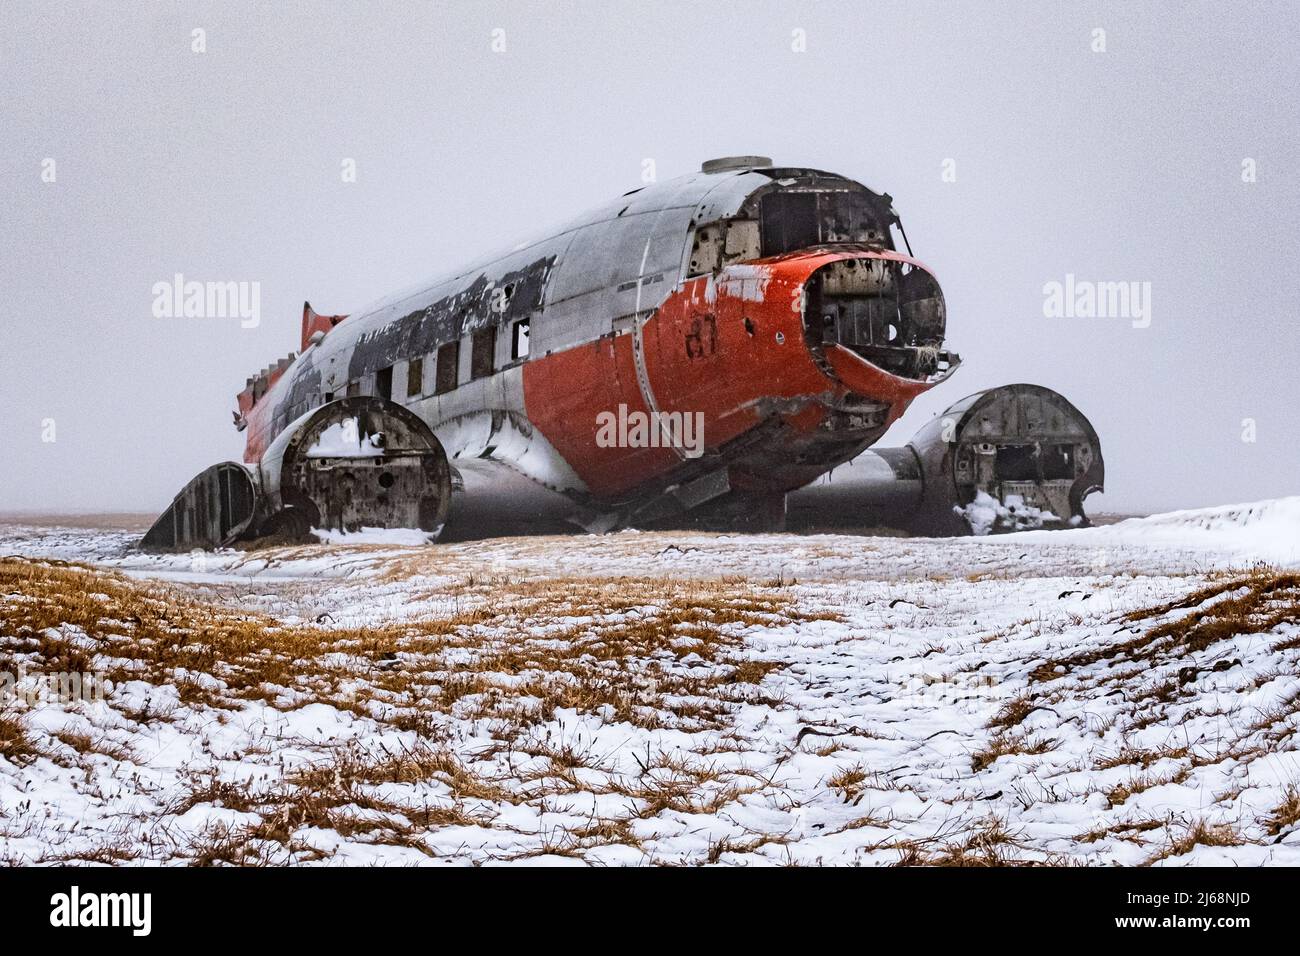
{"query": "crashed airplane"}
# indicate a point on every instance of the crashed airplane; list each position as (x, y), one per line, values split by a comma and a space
(767, 313)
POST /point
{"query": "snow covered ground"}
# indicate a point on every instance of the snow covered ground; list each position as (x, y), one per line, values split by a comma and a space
(1125, 694)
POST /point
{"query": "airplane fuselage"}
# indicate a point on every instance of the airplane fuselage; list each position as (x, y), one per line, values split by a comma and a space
(765, 310)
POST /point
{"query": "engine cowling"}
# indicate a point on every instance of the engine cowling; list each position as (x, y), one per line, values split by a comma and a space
(359, 462)
(1008, 458)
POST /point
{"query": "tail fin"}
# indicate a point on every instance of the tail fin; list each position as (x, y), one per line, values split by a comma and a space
(313, 322)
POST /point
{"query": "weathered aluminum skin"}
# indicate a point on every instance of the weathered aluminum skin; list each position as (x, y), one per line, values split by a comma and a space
(621, 259)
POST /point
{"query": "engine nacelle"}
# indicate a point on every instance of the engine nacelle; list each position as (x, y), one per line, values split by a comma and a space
(359, 462)
(1005, 459)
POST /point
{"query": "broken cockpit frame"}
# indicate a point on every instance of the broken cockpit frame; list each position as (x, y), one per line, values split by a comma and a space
(889, 312)
(799, 210)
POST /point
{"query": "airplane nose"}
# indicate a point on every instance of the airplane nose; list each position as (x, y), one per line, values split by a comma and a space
(887, 311)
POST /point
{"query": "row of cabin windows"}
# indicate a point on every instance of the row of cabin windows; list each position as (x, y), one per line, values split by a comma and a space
(483, 346)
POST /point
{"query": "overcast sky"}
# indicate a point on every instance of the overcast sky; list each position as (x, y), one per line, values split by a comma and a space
(1122, 165)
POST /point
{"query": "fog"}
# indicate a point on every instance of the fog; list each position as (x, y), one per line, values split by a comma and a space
(1016, 153)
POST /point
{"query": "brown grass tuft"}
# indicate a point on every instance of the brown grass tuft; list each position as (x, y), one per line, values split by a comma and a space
(1267, 599)
(1287, 813)
(16, 745)
(1198, 833)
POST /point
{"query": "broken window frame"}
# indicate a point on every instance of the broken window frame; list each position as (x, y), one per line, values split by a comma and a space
(519, 333)
(483, 349)
(446, 367)
(415, 377)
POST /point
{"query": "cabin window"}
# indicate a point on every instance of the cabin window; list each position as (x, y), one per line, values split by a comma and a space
(448, 361)
(384, 383)
(483, 349)
(519, 344)
(414, 377)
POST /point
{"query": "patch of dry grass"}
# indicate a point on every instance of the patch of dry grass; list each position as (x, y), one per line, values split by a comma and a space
(1008, 744)
(16, 744)
(1138, 783)
(988, 843)
(1267, 599)
(95, 744)
(848, 782)
(579, 643)
(1197, 833)
(1129, 830)
(1286, 814)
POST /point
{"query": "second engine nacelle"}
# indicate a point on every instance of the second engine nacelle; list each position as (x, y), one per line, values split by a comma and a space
(1008, 458)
